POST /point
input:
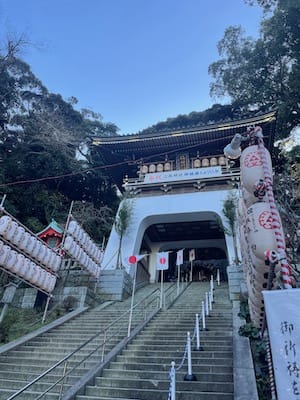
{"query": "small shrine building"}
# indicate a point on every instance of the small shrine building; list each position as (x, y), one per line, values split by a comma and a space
(52, 234)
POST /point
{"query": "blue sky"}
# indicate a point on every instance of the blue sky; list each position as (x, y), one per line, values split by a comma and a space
(137, 62)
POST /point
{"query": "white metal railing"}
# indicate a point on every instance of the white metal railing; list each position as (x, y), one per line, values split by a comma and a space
(206, 307)
(101, 342)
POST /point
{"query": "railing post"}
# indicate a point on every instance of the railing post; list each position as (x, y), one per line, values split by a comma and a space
(206, 304)
(103, 348)
(198, 347)
(218, 277)
(203, 316)
(172, 394)
(178, 279)
(189, 376)
(161, 288)
(46, 309)
(63, 380)
(210, 296)
(132, 300)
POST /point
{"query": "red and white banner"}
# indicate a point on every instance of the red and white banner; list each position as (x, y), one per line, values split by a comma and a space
(134, 258)
(192, 256)
(179, 258)
(162, 261)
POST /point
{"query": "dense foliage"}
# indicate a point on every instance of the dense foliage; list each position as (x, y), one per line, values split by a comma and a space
(42, 136)
(263, 74)
(213, 115)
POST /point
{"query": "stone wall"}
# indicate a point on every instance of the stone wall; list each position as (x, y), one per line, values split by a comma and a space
(114, 284)
(235, 278)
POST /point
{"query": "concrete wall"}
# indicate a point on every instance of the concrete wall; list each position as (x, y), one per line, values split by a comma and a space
(150, 210)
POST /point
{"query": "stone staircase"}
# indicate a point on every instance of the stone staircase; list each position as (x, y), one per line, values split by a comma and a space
(25, 362)
(141, 370)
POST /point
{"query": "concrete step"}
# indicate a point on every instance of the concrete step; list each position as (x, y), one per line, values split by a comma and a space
(200, 386)
(150, 394)
(41, 387)
(28, 395)
(150, 340)
(149, 354)
(207, 346)
(147, 366)
(164, 375)
(141, 371)
(27, 376)
(167, 360)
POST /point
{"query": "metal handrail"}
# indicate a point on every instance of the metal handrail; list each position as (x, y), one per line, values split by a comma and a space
(65, 359)
(173, 293)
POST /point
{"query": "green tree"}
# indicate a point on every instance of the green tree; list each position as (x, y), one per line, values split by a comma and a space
(230, 212)
(263, 74)
(122, 224)
(42, 136)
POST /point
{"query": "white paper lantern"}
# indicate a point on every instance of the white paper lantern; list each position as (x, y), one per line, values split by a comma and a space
(69, 241)
(42, 278)
(79, 236)
(4, 224)
(42, 253)
(56, 263)
(34, 273)
(48, 257)
(11, 230)
(260, 232)
(25, 240)
(26, 268)
(4, 252)
(76, 251)
(52, 260)
(72, 227)
(30, 245)
(18, 236)
(37, 249)
(51, 283)
(11, 260)
(252, 167)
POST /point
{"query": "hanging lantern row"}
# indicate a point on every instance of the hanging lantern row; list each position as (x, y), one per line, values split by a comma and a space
(81, 256)
(256, 234)
(16, 234)
(21, 266)
(84, 241)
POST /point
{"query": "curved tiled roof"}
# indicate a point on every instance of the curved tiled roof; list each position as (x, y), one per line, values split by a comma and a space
(206, 140)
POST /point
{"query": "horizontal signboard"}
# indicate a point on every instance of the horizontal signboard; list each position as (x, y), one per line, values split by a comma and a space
(183, 175)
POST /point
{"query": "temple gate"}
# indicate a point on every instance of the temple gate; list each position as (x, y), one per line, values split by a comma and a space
(177, 183)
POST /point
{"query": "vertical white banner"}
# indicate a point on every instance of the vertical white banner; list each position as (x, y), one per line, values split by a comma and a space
(179, 258)
(192, 255)
(162, 261)
(283, 317)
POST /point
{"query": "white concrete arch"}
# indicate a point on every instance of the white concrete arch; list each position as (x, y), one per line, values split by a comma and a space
(181, 207)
